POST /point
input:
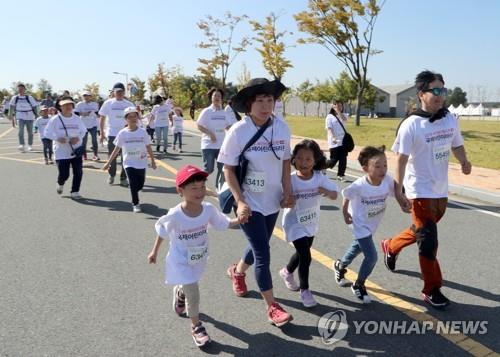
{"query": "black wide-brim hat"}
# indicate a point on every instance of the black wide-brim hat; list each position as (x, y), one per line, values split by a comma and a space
(255, 87)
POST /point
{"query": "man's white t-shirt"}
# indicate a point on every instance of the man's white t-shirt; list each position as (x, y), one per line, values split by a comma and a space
(41, 124)
(113, 110)
(262, 187)
(24, 107)
(161, 113)
(188, 252)
(133, 145)
(428, 147)
(89, 120)
(216, 121)
(178, 124)
(331, 122)
(278, 109)
(55, 130)
(303, 219)
(367, 204)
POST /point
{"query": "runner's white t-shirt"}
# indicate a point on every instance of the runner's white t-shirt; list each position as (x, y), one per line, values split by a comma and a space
(133, 145)
(216, 121)
(41, 123)
(262, 187)
(367, 204)
(90, 120)
(428, 146)
(55, 130)
(178, 124)
(113, 109)
(230, 113)
(303, 220)
(24, 111)
(161, 113)
(188, 252)
(331, 122)
(278, 109)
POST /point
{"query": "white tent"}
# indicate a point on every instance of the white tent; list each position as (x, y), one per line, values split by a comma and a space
(479, 110)
(459, 110)
(452, 109)
(468, 111)
(495, 112)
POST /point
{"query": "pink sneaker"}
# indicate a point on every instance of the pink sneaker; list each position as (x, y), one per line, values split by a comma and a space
(200, 335)
(307, 298)
(238, 279)
(277, 316)
(289, 280)
(179, 301)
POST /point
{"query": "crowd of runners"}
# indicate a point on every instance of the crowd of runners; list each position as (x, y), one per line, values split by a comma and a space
(257, 173)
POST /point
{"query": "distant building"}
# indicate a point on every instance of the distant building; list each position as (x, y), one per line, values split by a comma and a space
(402, 98)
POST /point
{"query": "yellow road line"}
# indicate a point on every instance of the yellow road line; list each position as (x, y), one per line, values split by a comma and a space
(412, 311)
(6, 132)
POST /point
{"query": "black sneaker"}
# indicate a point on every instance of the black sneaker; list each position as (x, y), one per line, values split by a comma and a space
(389, 259)
(359, 290)
(436, 299)
(340, 271)
(157, 148)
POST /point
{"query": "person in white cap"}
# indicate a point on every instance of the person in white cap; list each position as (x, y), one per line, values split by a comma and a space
(67, 130)
(40, 124)
(136, 146)
(112, 121)
(23, 109)
(88, 110)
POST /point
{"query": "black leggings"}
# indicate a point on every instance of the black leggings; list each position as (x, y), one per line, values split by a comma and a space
(301, 259)
(63, 167)
(136, 178)
(338, 154)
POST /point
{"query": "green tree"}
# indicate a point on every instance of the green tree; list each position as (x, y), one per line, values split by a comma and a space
(345, 29)
(29, 87)
(456, 97)
(4, 93)
(44, 88)
(305, 93)
(93, 88)
(272, 47)
(158, 82)
(323, 93)
(344, 88)
(140, 90)
(219, 40)
(244, 77)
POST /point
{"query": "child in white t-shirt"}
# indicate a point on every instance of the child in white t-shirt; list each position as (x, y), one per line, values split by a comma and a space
(136, 146)
(177, 121)
(363, 207)
(186, 226)
(302, 221)
(40, 124)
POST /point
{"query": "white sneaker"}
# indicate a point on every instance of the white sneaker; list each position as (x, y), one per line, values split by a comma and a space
(76, 195)
(289, 280)
(21, 148)
(59, 189)
(136, 209)
(30, 148)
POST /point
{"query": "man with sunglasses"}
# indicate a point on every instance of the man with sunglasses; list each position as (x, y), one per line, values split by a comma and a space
(423, 144)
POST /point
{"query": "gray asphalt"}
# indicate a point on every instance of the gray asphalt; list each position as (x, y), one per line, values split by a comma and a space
(74, 278)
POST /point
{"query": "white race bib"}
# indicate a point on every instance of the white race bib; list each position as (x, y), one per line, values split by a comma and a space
(441, 154)
(197, 255)
(308, 216)
(373, 211)
(136, 152)
(255, 181)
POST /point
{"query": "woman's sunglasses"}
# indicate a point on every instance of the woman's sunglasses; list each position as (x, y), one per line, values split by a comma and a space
(437, 91)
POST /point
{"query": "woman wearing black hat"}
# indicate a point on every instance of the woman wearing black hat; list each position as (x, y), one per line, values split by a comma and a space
(266, 186)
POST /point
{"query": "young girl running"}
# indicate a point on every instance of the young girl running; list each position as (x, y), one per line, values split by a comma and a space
(301, 222)
(186, 226)
(178, 127)
(40, 124)
(363, 207)
(136, 147)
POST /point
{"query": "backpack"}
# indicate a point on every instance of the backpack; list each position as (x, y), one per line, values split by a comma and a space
(29, 102)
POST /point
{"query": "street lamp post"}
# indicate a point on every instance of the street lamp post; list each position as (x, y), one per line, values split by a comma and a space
(126, 81)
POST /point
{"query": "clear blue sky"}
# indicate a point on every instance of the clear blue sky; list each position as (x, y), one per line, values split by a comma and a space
(71, 43)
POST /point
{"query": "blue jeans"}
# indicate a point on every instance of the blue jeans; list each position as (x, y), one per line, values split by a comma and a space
(366, 246)
(29, 128)
(162, 132)
(178, 136)
(258, 231)
(209, 160)
(93, 134)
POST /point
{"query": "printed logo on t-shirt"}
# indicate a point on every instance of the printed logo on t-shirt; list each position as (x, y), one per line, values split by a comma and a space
(193, 233)
(265, 146)
(306, 194)
(375, 205)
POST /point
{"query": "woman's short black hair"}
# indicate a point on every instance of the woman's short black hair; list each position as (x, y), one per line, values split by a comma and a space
(369, 152)
(319, 156)
(248, 104)
(212, 91)
(158, 99)
(425, 78)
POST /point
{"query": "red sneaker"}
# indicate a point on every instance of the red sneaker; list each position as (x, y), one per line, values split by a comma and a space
(238, 279)
(277, 316)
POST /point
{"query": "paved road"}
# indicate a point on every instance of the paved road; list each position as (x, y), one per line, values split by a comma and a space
(75, 280)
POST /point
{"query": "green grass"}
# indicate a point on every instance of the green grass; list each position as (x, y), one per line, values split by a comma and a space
(482, 138)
